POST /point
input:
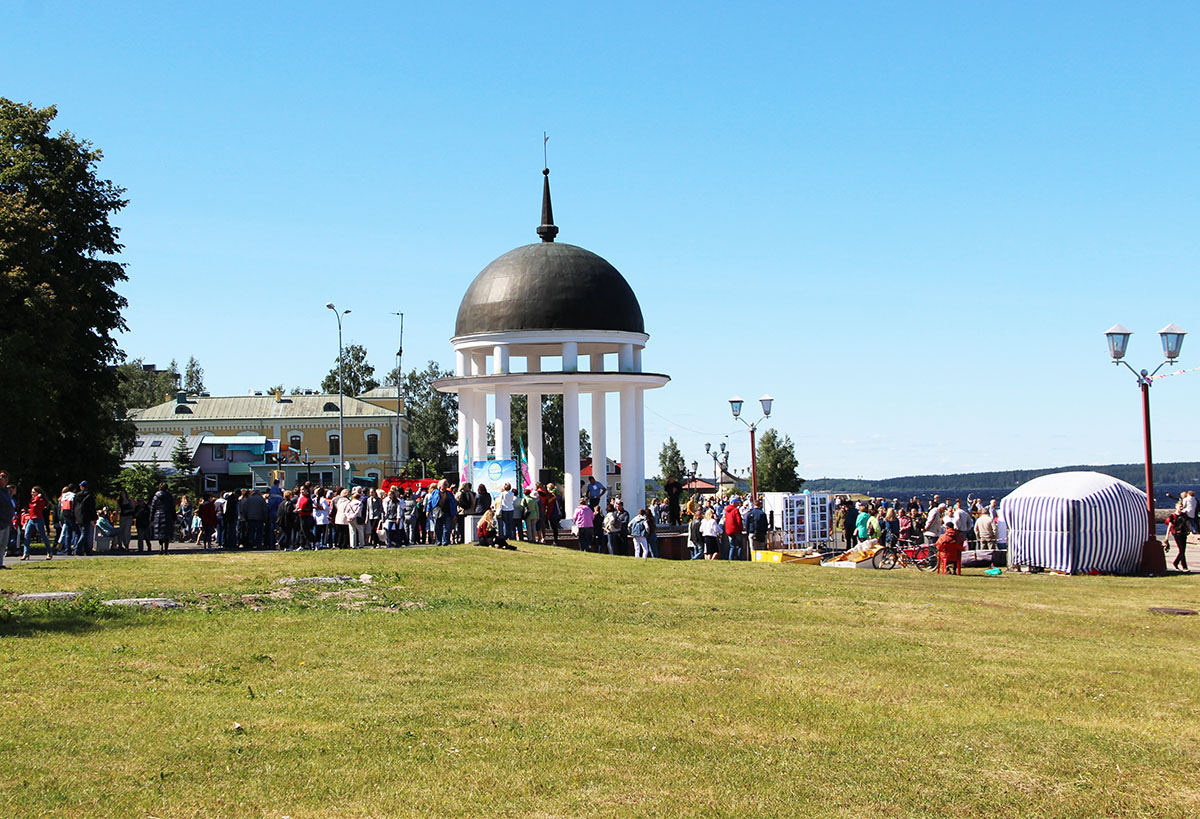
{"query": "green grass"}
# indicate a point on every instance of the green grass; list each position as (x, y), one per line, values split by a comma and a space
(545, 682)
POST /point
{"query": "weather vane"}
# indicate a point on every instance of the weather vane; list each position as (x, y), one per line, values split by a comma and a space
(545, 139)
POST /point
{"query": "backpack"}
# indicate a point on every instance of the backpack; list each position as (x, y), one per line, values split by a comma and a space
(638, 528)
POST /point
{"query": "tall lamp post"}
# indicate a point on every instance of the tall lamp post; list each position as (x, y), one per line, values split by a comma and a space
(735, 405)
(341, 400)
(1153, 559)
(399, 385)
(720, 461)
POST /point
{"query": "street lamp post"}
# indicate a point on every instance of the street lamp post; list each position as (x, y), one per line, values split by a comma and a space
(341, 400)
(720, 461)
(1153, 559)
(735, 405)
(308, 465)
(399, 383)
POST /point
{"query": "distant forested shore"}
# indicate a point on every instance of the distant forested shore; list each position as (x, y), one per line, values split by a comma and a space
(1165, 475)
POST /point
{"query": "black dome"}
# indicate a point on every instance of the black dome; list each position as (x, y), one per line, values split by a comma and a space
(549, 286)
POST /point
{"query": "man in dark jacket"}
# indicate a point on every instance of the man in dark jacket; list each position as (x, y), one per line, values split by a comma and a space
(254, 506)
(229, 540)
(84, 508)
(756, 525)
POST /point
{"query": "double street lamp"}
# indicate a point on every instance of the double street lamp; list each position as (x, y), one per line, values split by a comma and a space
(1153, 559)
(341, 399)
(735, 405)
(720, 461)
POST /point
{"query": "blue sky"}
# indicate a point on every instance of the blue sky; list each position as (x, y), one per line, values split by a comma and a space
(910, 223)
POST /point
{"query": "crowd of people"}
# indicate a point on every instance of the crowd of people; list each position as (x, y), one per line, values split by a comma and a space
(892, 523)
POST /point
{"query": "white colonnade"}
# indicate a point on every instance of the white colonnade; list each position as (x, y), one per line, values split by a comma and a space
(474, 383)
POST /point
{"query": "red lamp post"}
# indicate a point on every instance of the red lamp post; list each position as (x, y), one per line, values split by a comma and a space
(735, 404)
(1154, 561)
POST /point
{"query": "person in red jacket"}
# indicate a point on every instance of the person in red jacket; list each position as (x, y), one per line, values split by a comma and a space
(36, 524)
(950, 549)
(733, 528)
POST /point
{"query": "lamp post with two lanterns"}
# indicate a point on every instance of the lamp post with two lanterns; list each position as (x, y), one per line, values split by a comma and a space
(720, 461)
(735, 404)
(1153, 559)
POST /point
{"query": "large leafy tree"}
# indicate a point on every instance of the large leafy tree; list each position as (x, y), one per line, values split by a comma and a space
(777, 464)
(670, 461)
(358, 376)
(139, 387)
(432, 418)
(64, 416)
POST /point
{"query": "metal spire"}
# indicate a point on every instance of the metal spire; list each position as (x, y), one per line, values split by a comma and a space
(547, 229)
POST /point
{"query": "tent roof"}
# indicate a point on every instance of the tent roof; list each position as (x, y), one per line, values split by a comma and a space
(1070, 485)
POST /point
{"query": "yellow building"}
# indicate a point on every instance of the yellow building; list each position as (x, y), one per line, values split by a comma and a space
(376, 434)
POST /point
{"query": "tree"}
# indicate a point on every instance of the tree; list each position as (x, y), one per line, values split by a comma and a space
(357, 375)
(670, 461)
(275, 389)
(64, 415)
(432, 418)
(141, 480)
(777, 464)
(181, 461)
(141, 387)
(193, 377)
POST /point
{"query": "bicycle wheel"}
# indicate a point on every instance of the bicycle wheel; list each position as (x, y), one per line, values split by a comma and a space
(926, 559)
(885, 558)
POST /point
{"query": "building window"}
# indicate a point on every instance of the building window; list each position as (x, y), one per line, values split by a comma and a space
(330, 407)
(218, 453)
(139, 443)
(373, 444)
(182, 410)
(335, 445)
(156, 443)
(294, 442)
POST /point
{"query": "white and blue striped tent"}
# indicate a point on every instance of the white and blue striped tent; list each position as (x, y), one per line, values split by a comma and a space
(1076, 522)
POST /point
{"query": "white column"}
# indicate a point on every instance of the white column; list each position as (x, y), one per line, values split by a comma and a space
(500, 359)
(533, 413)
(534, 447)
(503, 426)
(628, 448)
(466, 400)
(625, 360)
(460, 363)
(600, 427)
(639, 488)
(478, 409)
(570, 356)
(570, 449)
(637, 359)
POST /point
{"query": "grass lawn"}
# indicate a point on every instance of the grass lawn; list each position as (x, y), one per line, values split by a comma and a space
(471, 681)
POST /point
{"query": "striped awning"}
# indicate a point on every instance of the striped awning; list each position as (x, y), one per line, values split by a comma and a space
(1076, 522)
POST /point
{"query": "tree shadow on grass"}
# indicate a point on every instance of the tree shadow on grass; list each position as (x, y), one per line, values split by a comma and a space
(30, 620)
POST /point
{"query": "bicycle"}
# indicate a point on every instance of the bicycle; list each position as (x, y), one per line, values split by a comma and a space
(921, 555)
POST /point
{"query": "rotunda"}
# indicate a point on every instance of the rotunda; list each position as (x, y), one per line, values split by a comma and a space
(523, 325)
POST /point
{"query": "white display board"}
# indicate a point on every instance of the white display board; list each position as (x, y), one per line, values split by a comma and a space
(802, 520)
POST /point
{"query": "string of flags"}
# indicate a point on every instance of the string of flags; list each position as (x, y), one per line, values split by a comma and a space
(1177, 372)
